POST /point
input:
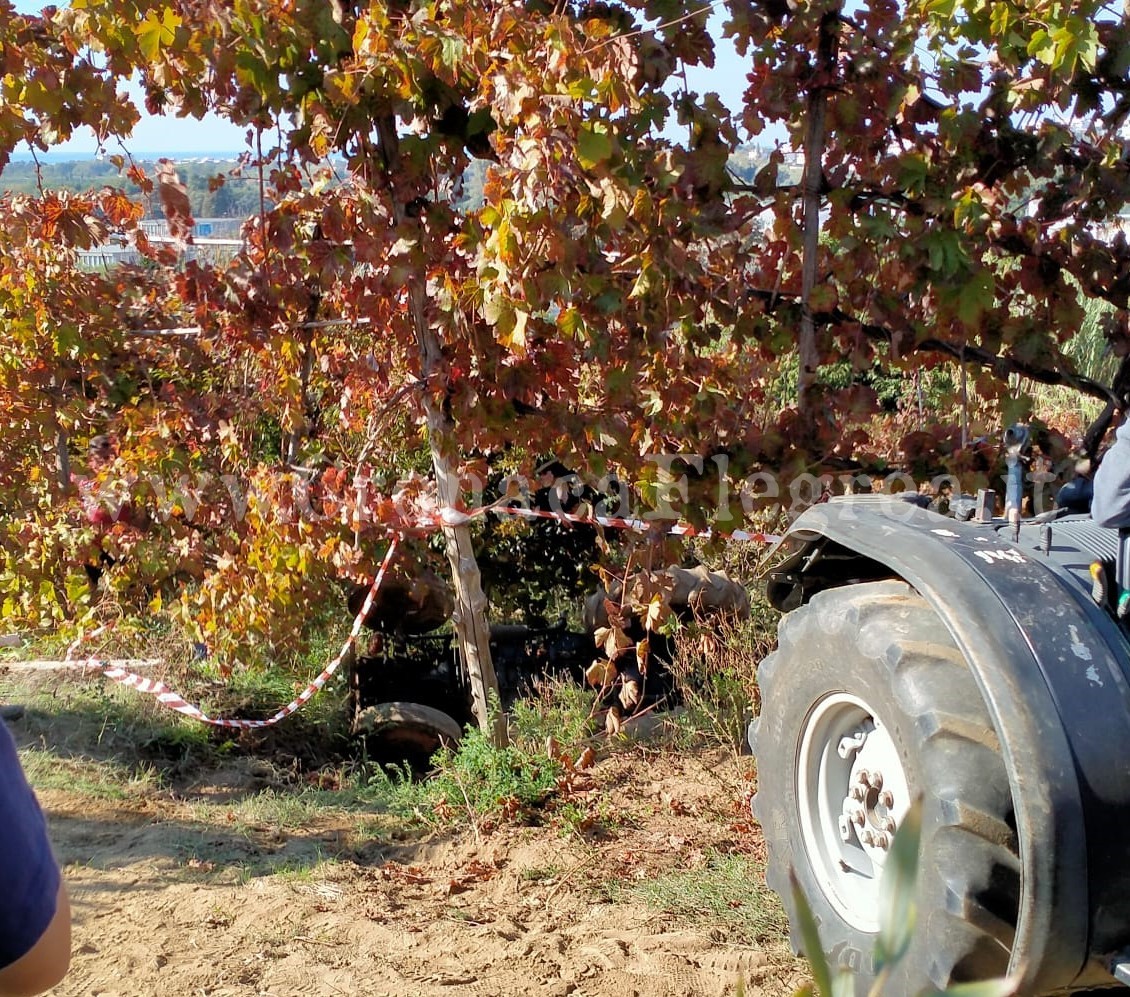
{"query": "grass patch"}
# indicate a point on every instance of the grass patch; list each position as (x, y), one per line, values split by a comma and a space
(539, 874)
(728, 892)
(98, 779)
(285, 809)
(480, 781)
(81, 726)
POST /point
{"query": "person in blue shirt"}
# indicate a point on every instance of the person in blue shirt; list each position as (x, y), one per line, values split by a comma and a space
(35, 915)
(1110, 500)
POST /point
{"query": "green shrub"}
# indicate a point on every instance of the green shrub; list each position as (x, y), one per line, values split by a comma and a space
(482, 781)
(559, 708)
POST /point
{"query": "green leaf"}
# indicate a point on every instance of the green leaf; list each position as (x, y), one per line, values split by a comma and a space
(581, 89)
(946, 254)
(999, 19)
(156, 31)
(969, 211)
(813, 948)
(976, 297)
(77, 588)
(914, 170)
(451, 50)
(1076, 43)
(593, 146)
(1041, 47)
(571, 323)
(943, 9)
(897, 889)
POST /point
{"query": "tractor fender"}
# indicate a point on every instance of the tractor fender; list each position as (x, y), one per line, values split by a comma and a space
(1049, 665)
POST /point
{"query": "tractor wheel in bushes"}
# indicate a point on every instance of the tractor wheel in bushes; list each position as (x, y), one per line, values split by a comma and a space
(408, 733)
(867, 705)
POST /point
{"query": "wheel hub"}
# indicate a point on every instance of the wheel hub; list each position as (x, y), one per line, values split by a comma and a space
(852, 794)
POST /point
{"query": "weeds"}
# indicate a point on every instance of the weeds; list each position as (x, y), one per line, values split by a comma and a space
(483, 781)
(715, 671)
(559, 708)
(728, 892)
(539, 874)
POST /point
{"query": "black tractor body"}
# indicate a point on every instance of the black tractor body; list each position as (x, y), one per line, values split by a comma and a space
(426, 670)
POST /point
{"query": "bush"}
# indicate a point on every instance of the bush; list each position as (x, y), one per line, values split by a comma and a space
(485, 782)
(715, 672)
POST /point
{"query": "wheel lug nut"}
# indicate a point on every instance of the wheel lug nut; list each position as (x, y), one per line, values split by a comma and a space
(867, 837)
(889, 824)
(857, 793)
(863, 777)
(859, 818)
(881, 840)
(876, 780)
(887, 799)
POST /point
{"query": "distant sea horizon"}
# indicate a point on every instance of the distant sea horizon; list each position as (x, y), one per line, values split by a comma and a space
(147, 155)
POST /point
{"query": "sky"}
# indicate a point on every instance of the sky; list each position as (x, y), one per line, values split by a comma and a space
(187, 135)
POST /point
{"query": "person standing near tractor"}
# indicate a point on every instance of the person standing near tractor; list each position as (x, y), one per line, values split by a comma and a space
(1110, 500)
(35, 914)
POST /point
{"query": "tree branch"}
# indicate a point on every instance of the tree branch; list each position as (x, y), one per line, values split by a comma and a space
(1001, 366)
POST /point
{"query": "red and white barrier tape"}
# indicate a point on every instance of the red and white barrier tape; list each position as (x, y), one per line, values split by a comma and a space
(175, 701)
(447, 517)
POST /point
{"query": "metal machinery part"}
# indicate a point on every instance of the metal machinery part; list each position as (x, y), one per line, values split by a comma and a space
(1053, 670)
(852, 794)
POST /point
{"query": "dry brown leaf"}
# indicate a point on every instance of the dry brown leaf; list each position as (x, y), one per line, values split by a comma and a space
(630, 694)
(586, 759)
(643, 648)
(615, 642)
(174, 201)
(658, 611)
(600, 673)
(615, 613)
(612, 721)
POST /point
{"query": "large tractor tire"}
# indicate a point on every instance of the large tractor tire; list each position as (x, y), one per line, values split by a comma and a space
(867, 705)
(406, 732)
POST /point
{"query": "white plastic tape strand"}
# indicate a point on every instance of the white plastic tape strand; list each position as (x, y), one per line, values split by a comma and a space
(175, 701)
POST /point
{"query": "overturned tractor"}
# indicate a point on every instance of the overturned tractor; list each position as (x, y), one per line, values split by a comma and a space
(410, 694)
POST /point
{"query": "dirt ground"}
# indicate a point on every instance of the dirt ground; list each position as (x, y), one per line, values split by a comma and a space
(167, 903)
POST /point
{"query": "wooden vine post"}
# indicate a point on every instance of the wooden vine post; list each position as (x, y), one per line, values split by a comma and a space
(814, 141)
(470, 617)
(472, 630)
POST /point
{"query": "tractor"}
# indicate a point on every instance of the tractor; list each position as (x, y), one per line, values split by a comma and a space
(980, 665)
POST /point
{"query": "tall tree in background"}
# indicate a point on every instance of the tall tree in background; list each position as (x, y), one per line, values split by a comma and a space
(972, 182)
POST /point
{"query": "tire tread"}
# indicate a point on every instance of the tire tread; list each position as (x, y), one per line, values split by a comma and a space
(888, 623)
